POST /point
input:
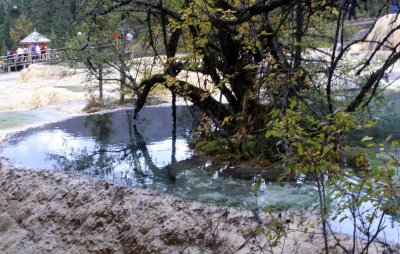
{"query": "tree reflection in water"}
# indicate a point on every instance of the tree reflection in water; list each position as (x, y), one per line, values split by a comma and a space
(149, 152)
(130, 162)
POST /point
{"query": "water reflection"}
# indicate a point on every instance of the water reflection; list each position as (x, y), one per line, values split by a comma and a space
(150, 152)
(132, 161)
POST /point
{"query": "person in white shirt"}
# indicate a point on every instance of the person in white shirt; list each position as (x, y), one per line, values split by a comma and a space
(26, 53)
(38, 52)
(20, 54)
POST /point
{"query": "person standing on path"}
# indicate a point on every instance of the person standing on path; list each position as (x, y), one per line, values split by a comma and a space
(352, 9)
(33, 52)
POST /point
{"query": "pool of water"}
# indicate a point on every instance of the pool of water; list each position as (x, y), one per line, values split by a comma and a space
(148, 153)
(152, 152)
(18, 119)
(77, 89)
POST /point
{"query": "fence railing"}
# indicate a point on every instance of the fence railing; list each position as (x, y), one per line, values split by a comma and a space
(17, 61)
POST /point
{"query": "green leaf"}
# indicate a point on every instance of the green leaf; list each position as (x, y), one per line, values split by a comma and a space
(274, 114)
(257, 184)
(300, 149)
(265, 33)
(366, 138)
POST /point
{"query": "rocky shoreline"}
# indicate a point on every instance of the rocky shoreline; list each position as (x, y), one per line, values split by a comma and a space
(57, 212)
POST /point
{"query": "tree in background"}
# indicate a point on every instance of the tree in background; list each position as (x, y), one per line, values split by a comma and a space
(3, 48)
(23, 27)
(2, 13)
(53, 16)
(8, 20)
(47, 17)
(103, 48)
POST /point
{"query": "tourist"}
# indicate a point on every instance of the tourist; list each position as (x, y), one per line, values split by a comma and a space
(38, 56)
(46, 52)
(26, 53)
(33, 52)
(43, 51)
(20, 53)
(352, 9)
(12, 55)
(394, 7)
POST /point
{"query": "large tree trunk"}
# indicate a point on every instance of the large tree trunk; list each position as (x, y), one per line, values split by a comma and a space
(122, 84)
(194, 94)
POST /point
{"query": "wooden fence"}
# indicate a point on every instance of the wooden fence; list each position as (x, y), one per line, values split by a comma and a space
(17, 62)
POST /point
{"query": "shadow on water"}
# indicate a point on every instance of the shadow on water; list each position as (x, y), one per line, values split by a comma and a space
(149, 152)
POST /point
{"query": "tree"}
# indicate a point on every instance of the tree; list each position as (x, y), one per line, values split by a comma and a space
(278, 64)
(255, 54)
(232, 42)
(2, 13)
(3, 49)
(7, 23)
(103, 47)
(22, 28)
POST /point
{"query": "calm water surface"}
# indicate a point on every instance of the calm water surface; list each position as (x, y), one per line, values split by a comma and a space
(18, 119)
(147, 153)
(150, 153)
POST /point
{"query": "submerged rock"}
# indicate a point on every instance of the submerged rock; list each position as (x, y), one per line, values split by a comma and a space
(249, 171)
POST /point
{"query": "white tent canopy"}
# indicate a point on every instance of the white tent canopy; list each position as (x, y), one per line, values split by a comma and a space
(35, 37)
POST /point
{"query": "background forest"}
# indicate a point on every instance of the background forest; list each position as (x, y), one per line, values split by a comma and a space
(53, 18)
(18, 18)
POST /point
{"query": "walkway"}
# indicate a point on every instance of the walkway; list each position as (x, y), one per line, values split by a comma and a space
(8, 64)
(360, 22)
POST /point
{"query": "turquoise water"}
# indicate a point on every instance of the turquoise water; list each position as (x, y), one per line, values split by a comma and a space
(76, 89)
(18, 119)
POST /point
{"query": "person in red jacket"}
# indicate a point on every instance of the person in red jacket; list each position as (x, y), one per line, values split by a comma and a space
(42, 51)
